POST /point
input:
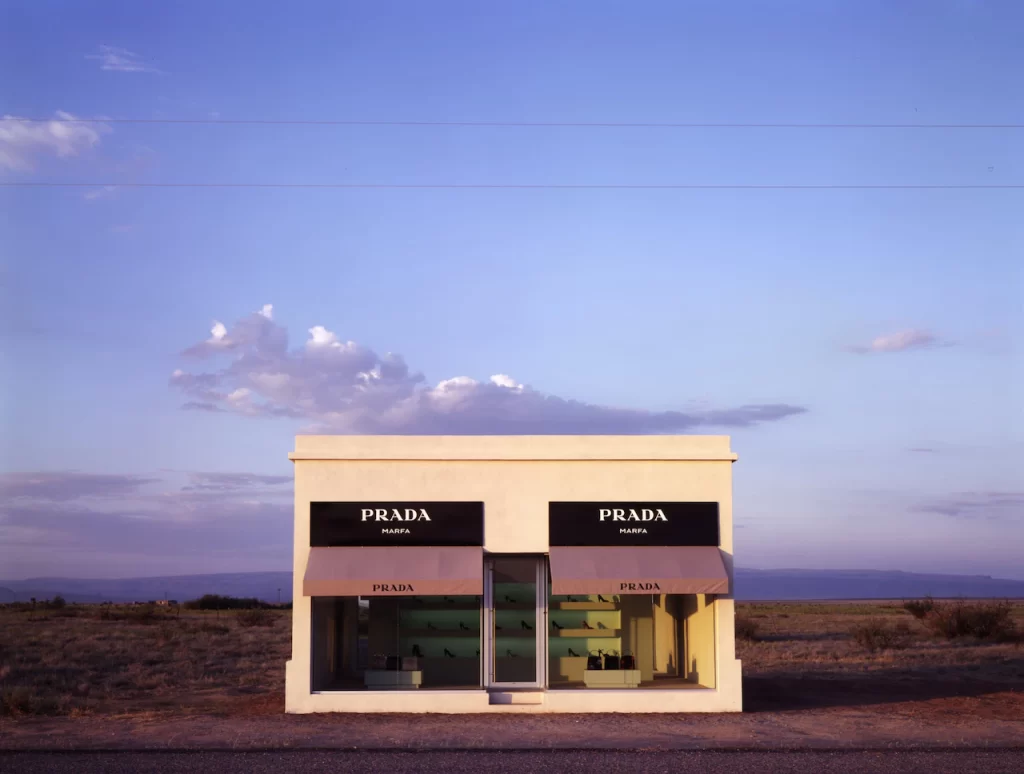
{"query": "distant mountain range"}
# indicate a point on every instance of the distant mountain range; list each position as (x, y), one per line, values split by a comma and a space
(750, 585)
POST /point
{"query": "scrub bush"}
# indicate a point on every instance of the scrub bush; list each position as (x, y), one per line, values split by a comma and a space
(256, 617)
(919, 608)
(746, 629)
(876, 634)
(982, 620)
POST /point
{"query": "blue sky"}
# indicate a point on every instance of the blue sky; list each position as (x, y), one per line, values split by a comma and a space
(876, 333)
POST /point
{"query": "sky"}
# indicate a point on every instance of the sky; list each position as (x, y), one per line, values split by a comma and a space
(160, 347)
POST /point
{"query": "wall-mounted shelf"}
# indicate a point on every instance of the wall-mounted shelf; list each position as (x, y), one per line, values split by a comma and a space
(584, 606)
(439, 633)
(585, 634)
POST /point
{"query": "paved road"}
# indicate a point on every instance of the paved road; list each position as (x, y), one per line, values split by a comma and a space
(297, 762)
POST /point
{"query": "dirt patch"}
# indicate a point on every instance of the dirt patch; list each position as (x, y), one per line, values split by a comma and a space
(205, 681)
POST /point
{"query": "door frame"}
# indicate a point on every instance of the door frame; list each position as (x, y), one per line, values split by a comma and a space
(540, 624)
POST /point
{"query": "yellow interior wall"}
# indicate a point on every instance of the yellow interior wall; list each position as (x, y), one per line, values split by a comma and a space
(666, 660)
(699, 629)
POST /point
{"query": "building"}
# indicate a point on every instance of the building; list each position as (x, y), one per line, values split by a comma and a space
(513, 573)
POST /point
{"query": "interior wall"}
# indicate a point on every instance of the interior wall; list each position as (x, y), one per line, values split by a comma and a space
(323, 641)
(666, 625)
(700, 639)
(638, 632)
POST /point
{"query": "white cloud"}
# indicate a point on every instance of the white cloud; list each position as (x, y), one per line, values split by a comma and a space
(21, 142)
(120, 60)
(99, 193)
(900, 341)
(345, 387)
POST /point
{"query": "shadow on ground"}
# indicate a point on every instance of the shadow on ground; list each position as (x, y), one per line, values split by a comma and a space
(814, 690)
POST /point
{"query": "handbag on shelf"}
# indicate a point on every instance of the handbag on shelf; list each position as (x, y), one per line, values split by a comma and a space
(378, 661)
(611, 659)
(410, 664)
(393, 662)
(628, 661)
(594, 660)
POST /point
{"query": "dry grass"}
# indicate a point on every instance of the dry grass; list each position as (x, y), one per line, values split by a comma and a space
(137, 661)
(112, 660)
(800, 638)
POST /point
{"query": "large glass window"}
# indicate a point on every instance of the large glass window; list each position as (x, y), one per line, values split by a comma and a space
(395, 643)
(631, 640)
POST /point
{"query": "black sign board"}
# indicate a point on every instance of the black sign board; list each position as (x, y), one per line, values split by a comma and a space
(633, 524)
(396, 524)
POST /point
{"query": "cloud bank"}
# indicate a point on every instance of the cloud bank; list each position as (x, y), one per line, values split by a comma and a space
(900, 341)
(120, 60)
(22, 142)
(341, 386)
(66, 522)
(975, 505)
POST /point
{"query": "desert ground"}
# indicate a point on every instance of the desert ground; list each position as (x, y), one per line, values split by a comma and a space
(89, 676)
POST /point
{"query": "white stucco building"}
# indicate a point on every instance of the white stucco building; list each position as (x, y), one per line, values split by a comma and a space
(513, 573)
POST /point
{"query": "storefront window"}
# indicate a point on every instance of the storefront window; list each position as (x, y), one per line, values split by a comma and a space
(631, 640)
(395, 643)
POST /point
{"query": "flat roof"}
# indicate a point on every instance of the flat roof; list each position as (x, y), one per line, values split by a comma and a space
(513, 447)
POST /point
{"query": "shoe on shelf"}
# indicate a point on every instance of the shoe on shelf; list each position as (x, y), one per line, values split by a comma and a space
(573, 652)
(601, 625)
(586, 625)
(557, 625)
(463, 627)
(601, 599)
(511, 654)
(448, 653)
(509, 599)
(525, 625)
(431, 626)
(416, 651)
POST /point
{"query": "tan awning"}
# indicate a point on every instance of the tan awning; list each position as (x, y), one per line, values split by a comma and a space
(638, 570)
(353, 571)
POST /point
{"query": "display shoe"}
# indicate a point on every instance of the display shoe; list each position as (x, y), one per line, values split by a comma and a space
(586, 626)
(478, 652)
(449, 601)
(557, 625)
(509, 599)
(572, 598)
(416, 651)
(525, 625)
(511, 654)
(431, 626)
(497, 628)
(601, 625)
(448, 653)
(463, 627)
(573, 652)
(601, 599)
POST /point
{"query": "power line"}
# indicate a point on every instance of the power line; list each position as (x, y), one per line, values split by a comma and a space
(512, 124)
(528, 186)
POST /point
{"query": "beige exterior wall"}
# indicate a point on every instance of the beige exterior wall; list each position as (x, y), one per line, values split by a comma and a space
(515, 477)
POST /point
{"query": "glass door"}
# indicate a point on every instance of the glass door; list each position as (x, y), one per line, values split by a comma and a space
(515, 612)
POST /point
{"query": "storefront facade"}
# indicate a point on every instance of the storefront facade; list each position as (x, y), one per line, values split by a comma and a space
(513, 573)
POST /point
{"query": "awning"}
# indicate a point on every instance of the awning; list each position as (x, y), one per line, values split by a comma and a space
(371, 571)
(638, 570)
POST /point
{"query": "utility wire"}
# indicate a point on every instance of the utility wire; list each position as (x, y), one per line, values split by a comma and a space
(534, 124)
(525, 186)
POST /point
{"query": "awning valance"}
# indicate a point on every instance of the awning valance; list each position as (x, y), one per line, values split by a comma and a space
(372, 571)
(638, 570)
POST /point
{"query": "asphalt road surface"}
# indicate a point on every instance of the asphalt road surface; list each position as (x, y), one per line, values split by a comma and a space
(610, 762)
